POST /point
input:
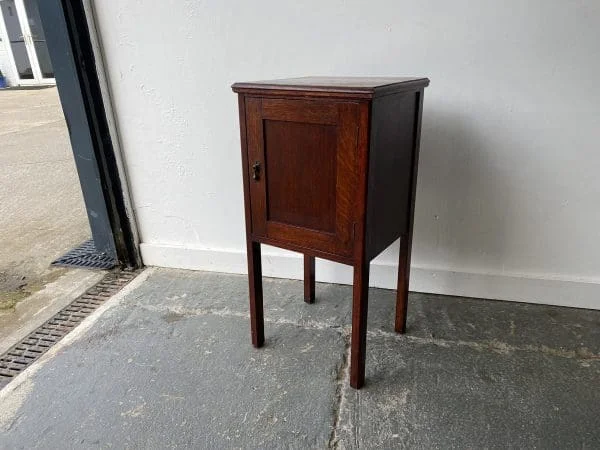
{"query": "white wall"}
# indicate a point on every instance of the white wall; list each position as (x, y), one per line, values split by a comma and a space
(508, 193)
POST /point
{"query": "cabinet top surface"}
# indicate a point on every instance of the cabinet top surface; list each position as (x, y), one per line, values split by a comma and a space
(367, 86)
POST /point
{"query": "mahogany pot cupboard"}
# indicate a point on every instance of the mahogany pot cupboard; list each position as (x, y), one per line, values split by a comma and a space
(330, 170)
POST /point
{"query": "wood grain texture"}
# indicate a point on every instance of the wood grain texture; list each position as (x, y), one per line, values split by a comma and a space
(257, 323)
(307, 185)
(255, 150)
(304, 249)
(245, 178)
(360, 291)
(390, 168)
(406, 240)
(309, 279)
(360, 306)
(348, 87)
(330, 170)
(257, 334)
(293, 149)
(402, 288)
(301, 111)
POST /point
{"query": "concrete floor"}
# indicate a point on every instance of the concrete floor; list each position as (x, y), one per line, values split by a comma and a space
(42, 214)
(168, 363)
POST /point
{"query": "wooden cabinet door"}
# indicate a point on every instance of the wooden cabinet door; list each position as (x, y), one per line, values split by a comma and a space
(302, 157)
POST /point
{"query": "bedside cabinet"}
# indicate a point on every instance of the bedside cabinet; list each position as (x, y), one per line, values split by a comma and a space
(330, 170)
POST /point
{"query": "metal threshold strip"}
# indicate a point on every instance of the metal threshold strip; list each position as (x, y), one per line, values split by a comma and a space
(38, 342)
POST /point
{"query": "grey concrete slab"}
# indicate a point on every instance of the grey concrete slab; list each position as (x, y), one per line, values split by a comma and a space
(143, 378)
(426, 395)
(501, 324)
(547, 328)
(171, 366)
(191, 291)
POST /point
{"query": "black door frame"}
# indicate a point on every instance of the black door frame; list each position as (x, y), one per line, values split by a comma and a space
(72, 54)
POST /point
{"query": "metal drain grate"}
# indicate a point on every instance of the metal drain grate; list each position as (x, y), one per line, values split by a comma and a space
(21, 355)
(86, 256)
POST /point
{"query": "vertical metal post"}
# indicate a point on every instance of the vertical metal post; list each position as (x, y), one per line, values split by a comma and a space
(72, 57)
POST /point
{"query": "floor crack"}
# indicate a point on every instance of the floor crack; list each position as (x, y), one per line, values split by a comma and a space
(494, 345)
(342, 380)
(583, 353)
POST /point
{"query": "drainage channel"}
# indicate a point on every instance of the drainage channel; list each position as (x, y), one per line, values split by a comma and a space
(86, 256)
(38, 342)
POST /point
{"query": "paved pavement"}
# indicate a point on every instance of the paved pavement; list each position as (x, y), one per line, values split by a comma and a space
(168, 364)
(42, 214)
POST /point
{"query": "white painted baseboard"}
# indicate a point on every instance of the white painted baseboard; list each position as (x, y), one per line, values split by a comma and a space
(520, 288)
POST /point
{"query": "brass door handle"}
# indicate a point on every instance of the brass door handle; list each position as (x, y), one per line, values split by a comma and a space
(256, 171)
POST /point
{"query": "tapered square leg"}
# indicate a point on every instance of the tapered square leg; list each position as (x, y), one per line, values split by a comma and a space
(309, 279)
(257, 326)
(402, 290)
(360, 302)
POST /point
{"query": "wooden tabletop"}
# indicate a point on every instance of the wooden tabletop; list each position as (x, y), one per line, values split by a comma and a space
(355, 86)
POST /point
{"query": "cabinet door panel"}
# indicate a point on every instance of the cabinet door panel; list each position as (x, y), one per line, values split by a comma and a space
(301, 173)
(306, 182)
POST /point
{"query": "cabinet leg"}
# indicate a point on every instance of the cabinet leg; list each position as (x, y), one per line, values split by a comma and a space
(309, 279)
(257, 325)
(402, 290)
(359, 325)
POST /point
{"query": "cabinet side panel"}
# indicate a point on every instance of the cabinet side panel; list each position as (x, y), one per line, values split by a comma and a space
(390, 165)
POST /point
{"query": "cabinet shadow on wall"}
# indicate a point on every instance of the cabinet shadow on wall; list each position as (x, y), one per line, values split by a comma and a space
(465, 205)
(465, 201)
